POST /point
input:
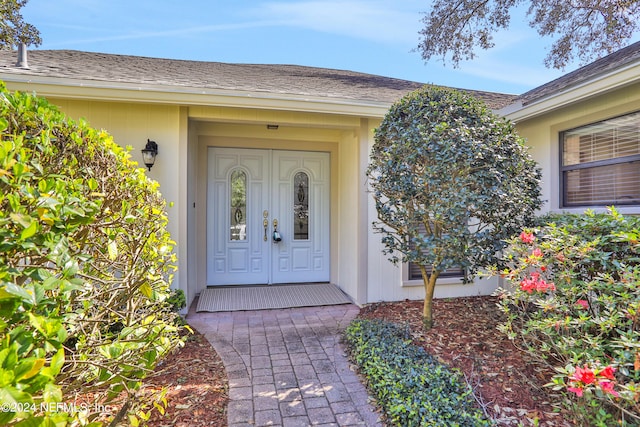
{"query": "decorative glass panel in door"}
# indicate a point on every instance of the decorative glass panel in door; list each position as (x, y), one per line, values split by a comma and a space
(249, 191)
(301, 206)
(238, 213)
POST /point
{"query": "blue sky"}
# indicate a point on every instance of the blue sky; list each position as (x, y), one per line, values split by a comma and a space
(371, 36)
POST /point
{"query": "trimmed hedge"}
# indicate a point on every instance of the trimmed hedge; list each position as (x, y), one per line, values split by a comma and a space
(410, 386)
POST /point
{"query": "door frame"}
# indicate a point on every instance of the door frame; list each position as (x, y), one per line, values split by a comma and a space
(203, 141)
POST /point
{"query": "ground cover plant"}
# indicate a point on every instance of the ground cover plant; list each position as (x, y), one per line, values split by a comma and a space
(85, 268)
(574, 304)
(411, 386)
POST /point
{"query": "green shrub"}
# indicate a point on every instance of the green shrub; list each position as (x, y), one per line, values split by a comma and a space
(574, 302)
(411, 387)
(85, 268)
(177, 299)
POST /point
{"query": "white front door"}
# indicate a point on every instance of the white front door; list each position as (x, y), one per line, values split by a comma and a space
(251, 195)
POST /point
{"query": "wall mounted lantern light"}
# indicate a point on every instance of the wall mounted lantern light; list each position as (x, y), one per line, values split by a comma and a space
(149, 153)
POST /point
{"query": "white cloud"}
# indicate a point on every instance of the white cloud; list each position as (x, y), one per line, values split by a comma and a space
(379, 21)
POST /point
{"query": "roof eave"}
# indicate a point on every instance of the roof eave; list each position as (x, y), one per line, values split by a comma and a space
(65, 88)
(599, 85)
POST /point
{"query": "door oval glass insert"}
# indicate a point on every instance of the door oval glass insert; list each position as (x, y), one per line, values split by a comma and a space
(238, 208)
(301, 206)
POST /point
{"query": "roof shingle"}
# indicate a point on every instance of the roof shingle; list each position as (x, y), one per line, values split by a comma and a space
(172, 73)
(590, 71)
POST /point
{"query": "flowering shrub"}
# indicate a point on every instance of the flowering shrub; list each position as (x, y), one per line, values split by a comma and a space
(573, 301)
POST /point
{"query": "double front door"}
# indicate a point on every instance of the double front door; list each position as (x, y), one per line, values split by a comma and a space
(267, 216)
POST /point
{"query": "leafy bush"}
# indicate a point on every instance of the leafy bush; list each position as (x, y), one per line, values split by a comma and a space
(412, 388)
(85, 268)
(575, 305)
(177, 299)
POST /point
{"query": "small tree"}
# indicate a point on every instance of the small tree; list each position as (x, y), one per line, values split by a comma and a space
(86, 262)
(451, 181)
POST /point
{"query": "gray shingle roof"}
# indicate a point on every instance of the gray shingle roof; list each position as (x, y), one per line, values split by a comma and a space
(174, 74)
(590, 71)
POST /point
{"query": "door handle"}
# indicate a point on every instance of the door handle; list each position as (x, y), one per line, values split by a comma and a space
(276, 235)
(265, 223)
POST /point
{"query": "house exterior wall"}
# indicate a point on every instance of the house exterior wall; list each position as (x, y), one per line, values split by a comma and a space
(337, 135)
(183, 134)
(542, 134)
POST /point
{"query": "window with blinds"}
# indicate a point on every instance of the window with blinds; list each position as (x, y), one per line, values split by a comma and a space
(414, 269)
(600, 163)
(414, 272)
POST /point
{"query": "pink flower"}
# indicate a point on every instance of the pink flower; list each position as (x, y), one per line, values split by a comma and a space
(526, 237)
(542, 286)
(576, 390)
(585, 376)
(535, 283)
(607, 386)
(608, 372)
(537, 253)
(583, 303)
(528, 285)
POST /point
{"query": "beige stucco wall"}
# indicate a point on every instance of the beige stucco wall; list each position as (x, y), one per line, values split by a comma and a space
(542, 135)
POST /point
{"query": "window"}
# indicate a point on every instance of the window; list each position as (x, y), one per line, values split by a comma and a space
(414, 269)
(600, 163)
(301, 206)
(238, 208)
(414, 272)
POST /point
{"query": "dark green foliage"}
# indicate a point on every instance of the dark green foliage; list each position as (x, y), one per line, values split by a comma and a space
(581, 29)
(13, 29)
(177, 300)
(451, 181)
(412, 388)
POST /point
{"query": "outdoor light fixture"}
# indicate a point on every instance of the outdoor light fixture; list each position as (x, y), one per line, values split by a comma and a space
(149, 153)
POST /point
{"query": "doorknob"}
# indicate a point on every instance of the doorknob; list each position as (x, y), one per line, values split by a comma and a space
(276, 235)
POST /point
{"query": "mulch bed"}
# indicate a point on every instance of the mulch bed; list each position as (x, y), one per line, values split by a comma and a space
(196, 383)
(508, 385)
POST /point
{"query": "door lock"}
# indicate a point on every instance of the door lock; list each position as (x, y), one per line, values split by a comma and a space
(276, 235)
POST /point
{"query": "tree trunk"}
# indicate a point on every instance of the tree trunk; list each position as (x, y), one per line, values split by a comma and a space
(429, 281)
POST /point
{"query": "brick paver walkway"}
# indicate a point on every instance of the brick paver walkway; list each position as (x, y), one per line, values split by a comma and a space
(287, 367)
